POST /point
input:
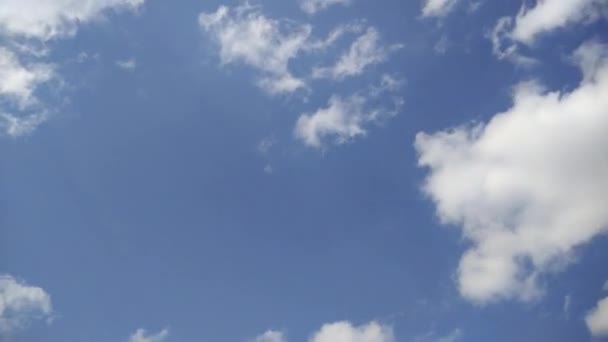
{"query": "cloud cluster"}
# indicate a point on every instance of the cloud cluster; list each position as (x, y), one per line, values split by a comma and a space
(245, 35)
(142, 335)
(27, 26)
(20, 303)
(340, 332)
(529, 186)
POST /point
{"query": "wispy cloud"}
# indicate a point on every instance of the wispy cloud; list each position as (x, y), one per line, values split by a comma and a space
(271, 336)
(247, 36)
(314, 6)
(365, 51)
(141, 335)
(346, 118)
(127, 64)
(438, 8)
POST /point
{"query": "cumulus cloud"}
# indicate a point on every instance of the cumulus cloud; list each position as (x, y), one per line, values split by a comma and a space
(346, 332)
(26, 27)
(544, 17)
(20, 303)
(53, 18)
(597, 319)
(245, 35)
(529, 186)
(271, 336)
(365, 51)
(437, 8)
(141, 335)
(314, 6)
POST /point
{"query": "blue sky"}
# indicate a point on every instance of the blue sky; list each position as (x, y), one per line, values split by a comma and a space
(314, 170)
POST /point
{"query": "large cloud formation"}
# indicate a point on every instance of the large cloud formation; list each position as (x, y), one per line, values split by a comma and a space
(529, 186)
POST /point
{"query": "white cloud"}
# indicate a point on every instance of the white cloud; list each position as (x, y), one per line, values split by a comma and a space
(23, 124)
(245, 35)
(127, 64)
(546, 16)
(597, 319)
(437, 8)
(20, 303)
(346, 332)
(53, 18)
(18, 81)
(142, 336)
(503, 47)
(314, 6)
(455, 335)
(343, 119)
(549, 15)
(26, 26)
(529, 186)
(365, 51)
(441, 47)
(567, 303)
(19, 112)
(271, 336)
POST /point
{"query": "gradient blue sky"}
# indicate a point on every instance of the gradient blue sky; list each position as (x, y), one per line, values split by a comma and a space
(164, 189)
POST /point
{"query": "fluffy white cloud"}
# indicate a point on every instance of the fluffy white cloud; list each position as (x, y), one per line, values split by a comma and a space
(529, 186)
(314, 6)
(346, 332)
(245, 35)
(544, 17)
(271, 336)
(437, 8)
(52, 18)
(365, 51)
(343, 119)
(597, 319)
(142, 336)
(20, 303)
